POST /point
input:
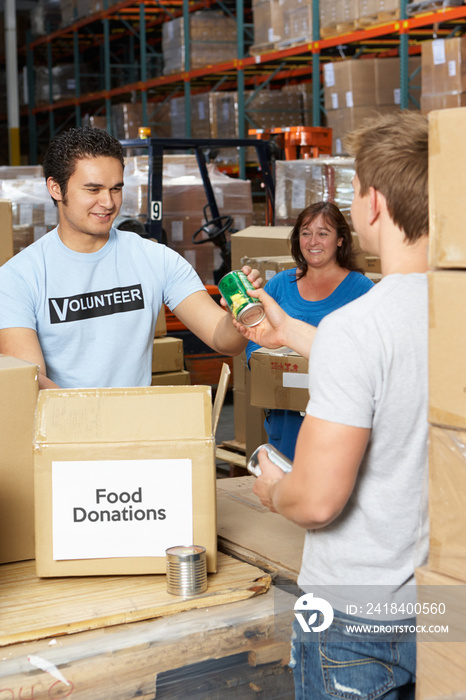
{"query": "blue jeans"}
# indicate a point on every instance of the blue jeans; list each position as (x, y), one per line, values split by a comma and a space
(337, 665)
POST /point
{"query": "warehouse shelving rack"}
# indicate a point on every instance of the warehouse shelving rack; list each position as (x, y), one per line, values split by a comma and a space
(138, 19)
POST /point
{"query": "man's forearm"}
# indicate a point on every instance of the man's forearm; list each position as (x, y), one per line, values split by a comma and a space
(298, 336)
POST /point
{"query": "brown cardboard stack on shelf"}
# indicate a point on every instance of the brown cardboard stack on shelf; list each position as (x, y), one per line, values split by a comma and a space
(33, 212)
(268, 24)
(254, 242)
(357, 89)
(442, 582)
(213, 115)
(183, 202)
(63, 82)
(337, 16)
(305, 91)
(300, 183)
(127, 118)
(297, 22)
(212, 41)
(271, 108)
(443, 74)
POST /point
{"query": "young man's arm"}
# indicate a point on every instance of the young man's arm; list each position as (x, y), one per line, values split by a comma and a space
(212, 323)
(23, 344)
(325, 468)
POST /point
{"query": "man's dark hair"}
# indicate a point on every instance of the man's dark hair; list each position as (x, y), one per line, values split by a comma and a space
(72, 145)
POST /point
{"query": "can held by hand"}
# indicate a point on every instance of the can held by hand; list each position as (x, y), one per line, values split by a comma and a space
(275, 456)
(186, 570)
(233, 287)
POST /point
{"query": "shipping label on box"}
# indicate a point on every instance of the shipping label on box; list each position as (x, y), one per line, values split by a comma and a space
(279, 379)
(120, 475)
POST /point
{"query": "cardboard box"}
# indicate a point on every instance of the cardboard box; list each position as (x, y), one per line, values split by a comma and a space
(167, 355)
(171, 378)
(120, 475)
(447, 342)
(440, 671)
(256, 241)
(279, 379)
(6, 235)
(269, 265)
(387, 80)
(447, 183)
(349, 83)
(19, 387)
(447, 501)
(161, 324)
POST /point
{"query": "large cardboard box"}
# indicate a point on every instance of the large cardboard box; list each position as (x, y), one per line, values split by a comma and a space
(441, 640)
(349, 83)
(279, 379)
(447, 501)
(256, 241)
(19, 387)
(6, 235)
(167, 354)
(120, 475)
(447, 342)
(447, 183)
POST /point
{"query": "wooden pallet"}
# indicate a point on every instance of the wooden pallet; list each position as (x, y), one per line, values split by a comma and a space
(233, 453)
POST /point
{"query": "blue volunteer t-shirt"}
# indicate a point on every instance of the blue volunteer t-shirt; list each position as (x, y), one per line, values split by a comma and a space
(94, 313)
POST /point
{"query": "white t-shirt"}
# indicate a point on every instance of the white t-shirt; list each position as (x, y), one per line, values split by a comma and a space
(94, 313)
(368, 368)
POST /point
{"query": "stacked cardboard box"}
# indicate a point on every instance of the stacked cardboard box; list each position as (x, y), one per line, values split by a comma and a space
(212, 37)
(343, 15)
(443, 74)
(297, 22)
(300, 183)
(32, 210)
(268, 24)
(168, 362)
(6, 234)
(19, 388)
(63, 82)
(443, 581)
(357, 89)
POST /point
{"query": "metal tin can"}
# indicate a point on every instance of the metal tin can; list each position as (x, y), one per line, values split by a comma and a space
(275, 456)
(233, 287)
(186, 570)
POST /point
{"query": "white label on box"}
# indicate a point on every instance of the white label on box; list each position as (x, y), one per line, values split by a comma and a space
(25, 214)
(121, 508)
(226, 110)
(219, 197)
(190, 256)
(349, 99)
(295, 380)
(329, 75)
(298, 194)
(270, 34)
(451, 69)
(338, 147)
(438, 51)
(201, 110)
(397, 96)
(239, 222)
(269, 274)
(334, 99)
(177, 231)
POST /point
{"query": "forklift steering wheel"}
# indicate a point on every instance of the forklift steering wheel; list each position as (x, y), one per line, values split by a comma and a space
(215, 228)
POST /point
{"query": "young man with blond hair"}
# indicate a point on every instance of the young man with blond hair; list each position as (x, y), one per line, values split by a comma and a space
(361, 454)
